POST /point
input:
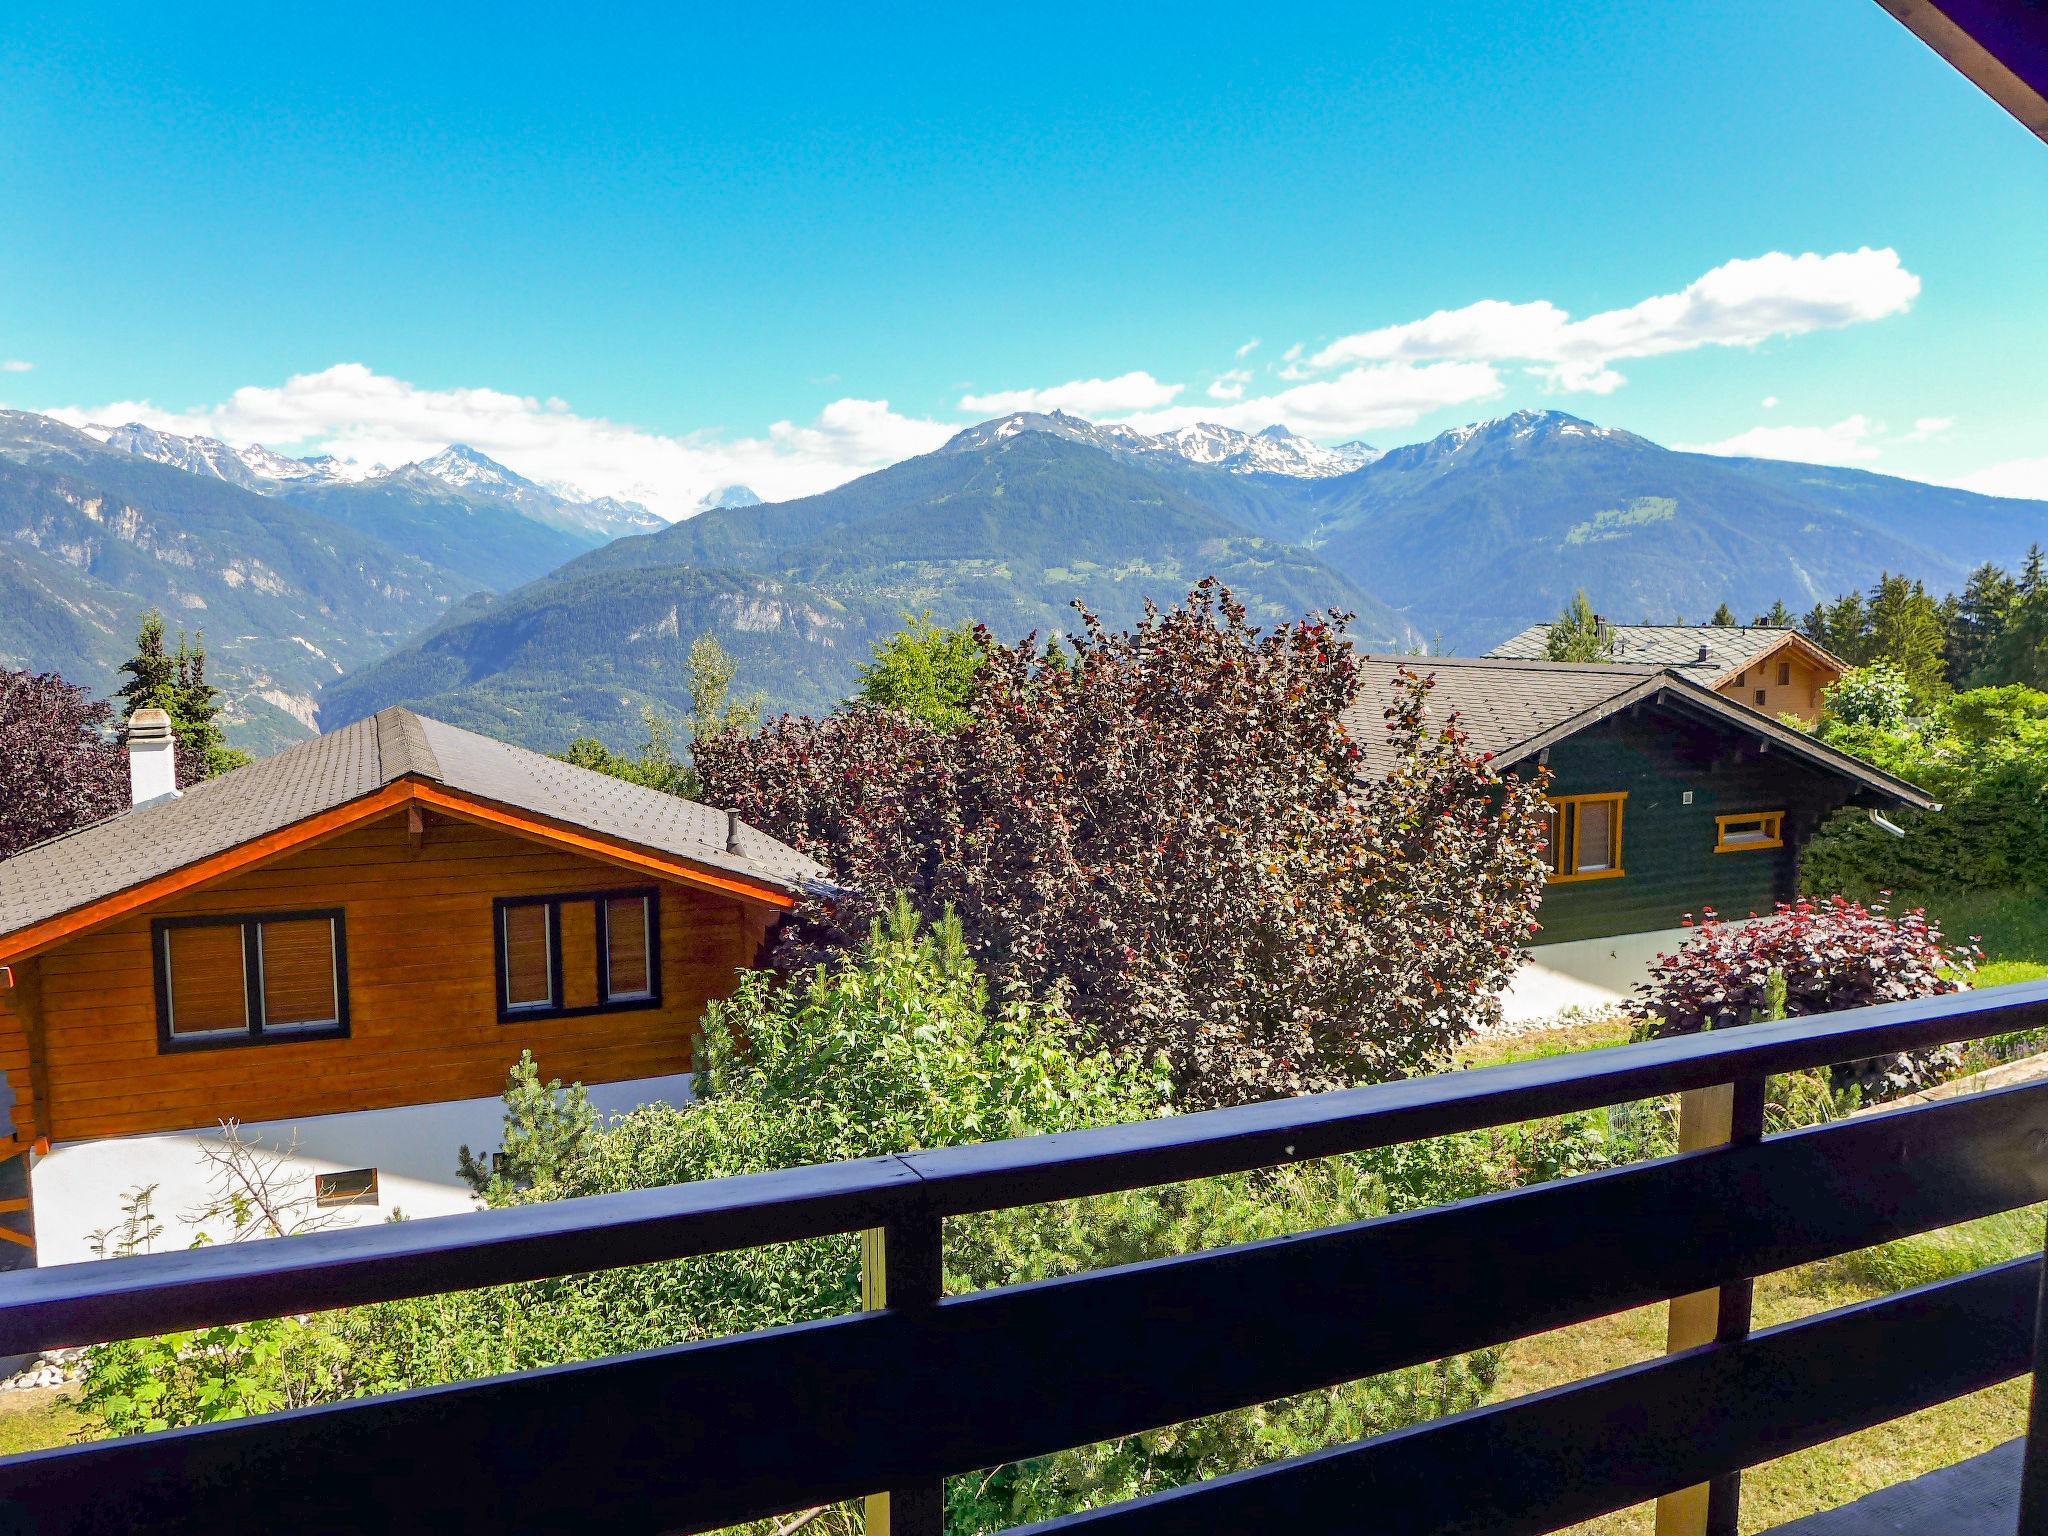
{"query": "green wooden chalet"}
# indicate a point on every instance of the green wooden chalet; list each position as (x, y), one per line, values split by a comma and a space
(1666, 797)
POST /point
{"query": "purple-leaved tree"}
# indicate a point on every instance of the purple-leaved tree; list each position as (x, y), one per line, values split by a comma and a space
(1167, 828)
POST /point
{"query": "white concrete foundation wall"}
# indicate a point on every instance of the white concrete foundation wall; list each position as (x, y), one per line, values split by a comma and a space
(1594, 975)
(79, 1186)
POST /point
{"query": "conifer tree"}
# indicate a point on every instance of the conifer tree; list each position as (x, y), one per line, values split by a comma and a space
(1724, 617)
(1577, 634)
(152, 671)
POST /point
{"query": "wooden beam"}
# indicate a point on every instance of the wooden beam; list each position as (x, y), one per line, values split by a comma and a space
(28, 1002)
(545, 829)
(1999, 46)
(239, 859)
(408, 794)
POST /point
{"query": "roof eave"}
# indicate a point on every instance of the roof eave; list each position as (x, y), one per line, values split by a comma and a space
(1687, 691)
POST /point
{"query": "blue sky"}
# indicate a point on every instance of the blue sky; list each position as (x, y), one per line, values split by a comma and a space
(652, 250)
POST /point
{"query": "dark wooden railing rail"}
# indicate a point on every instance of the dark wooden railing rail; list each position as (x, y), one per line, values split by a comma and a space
(696, 1436)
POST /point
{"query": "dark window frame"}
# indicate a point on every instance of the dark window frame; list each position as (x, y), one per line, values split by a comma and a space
(326, 1198)
(258, 1033)
(554, 901)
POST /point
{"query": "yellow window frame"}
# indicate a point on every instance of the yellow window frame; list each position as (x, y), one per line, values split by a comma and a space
(1564, 862)
(1770, 823)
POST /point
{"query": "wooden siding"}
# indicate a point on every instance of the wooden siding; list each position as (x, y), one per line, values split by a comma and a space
(422, 989)
(1798, 695)
(1655, 755)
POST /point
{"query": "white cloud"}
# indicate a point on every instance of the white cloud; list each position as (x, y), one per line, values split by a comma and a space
(1928, 426)
(1127, 392)
(1248, 348)
(1851, 440)
(354, 413)
(14, 365)
(1738, 304)
(1230, 385)
(1770, 402)
(2016, 477)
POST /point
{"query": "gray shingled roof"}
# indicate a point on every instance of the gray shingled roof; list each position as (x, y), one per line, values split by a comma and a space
(273, 793)
(1514, 708)
(1730, 648)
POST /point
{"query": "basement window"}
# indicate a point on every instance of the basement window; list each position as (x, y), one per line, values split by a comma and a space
(1584, 838)
(358, 1186)
(250, 979)
(560, 956)
(1751, 829)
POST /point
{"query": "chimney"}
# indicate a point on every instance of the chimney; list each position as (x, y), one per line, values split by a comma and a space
(1600, 627)
(1703, 653)
(732, 831)
(152, 756)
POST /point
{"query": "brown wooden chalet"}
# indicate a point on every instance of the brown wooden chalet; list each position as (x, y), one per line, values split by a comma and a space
(386, 915)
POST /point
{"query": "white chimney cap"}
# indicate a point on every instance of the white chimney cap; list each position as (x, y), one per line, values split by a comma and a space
(152, 756)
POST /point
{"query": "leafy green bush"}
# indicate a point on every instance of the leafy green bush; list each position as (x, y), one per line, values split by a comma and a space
(1984, 756)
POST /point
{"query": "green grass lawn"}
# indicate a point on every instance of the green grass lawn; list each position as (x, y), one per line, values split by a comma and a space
(38, 1419)
(2010, 926)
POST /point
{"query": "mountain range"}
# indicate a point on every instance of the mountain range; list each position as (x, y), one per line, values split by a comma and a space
(1009, 528)
(456, 585)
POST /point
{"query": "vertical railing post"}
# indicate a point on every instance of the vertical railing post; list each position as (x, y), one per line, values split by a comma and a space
(902, 1265)
(2034, 1469)
(1728, 1114)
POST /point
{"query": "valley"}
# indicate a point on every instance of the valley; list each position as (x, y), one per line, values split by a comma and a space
(327, 590)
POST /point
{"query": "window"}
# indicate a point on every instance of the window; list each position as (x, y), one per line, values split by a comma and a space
(626, 940)
(356, 1187)
(1760, 696)
(1742, 677)
(1584, 841)
(249, 979)
(1784, 674)
(560, 956)
(1751, 829)
(527, 932)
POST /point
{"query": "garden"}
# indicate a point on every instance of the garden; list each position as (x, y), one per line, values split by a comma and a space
(1023, 955)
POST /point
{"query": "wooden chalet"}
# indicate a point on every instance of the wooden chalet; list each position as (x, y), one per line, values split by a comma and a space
(1667, 797)
(1777, 671)
(384, 916)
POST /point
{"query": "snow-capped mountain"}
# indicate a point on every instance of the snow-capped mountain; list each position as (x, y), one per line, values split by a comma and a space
(1274, 451)
(1513, 434)
(457, 469)
(728, 496)
(254, 468)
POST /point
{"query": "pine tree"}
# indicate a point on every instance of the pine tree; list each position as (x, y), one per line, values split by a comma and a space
(1724, 617)
(1779, 617)
(1906, 630)
(1978, 622)
(152, 671)
(1578, 635)
(194, 710)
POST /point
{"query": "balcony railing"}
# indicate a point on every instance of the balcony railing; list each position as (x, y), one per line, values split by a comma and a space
(924, 1386)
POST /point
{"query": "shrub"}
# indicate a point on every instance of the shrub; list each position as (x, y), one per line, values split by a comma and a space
(1984, 756)
(1824, 956)
(1166, 831)
(59, 768)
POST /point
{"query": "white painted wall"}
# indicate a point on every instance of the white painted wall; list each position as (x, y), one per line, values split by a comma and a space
(1596, 975)
(79, 1185)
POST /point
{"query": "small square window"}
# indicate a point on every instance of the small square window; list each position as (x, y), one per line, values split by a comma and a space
(358, 1186)
(1760, 696)
(1749, 830)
